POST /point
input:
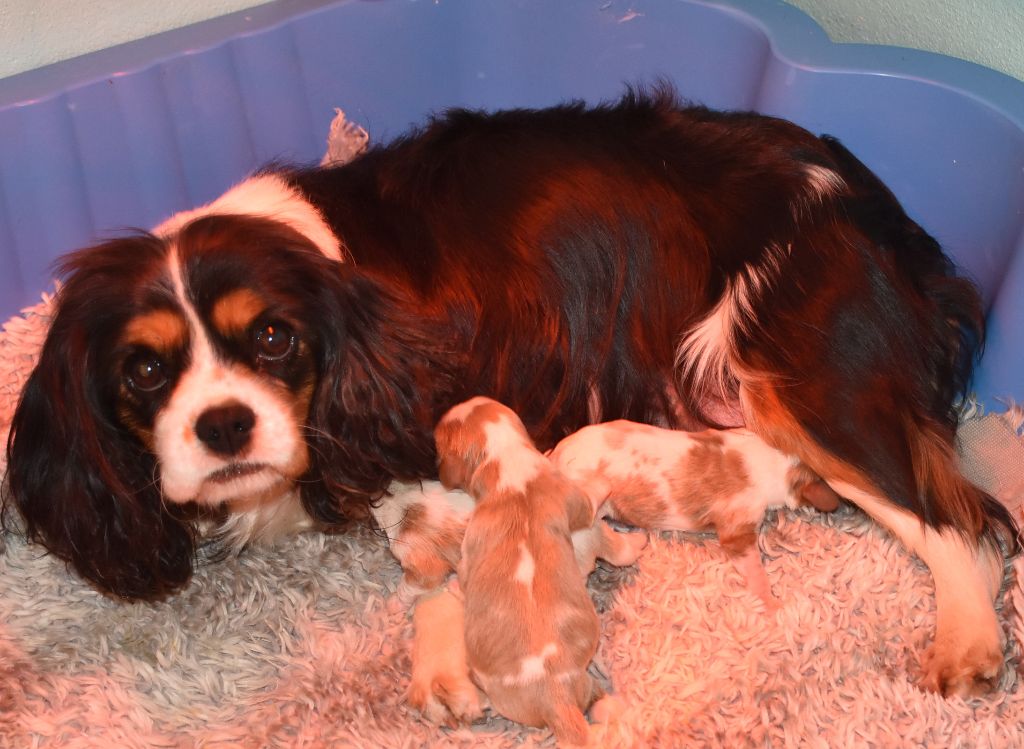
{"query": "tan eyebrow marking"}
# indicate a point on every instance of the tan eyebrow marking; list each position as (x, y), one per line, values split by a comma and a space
(160, 330)
(236, 310)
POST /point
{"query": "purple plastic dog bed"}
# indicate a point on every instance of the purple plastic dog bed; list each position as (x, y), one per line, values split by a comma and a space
(126, 136)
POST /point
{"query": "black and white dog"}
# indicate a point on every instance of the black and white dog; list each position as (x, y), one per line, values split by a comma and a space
(284, 352)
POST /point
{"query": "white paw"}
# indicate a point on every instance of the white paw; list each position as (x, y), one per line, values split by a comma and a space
(965, 662)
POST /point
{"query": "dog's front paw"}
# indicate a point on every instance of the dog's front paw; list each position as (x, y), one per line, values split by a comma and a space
(964, 664)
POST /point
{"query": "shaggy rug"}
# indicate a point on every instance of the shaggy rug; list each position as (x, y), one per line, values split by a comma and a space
(303, 644)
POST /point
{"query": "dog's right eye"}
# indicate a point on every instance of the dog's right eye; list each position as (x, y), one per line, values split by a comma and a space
(145, 373)
(275, 342)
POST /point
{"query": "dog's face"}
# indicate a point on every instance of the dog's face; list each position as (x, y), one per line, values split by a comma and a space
(225, 367)
(213, 368)
(196, 368)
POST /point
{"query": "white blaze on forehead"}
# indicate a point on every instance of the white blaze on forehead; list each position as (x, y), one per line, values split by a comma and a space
(269, 196)
(518, 461)
(526, 567)
(208, 382)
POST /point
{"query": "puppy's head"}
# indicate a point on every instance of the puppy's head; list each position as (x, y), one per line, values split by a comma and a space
(473, 434)
(190, 370)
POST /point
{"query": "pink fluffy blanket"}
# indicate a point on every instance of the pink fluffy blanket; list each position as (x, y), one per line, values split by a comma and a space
(301, 645)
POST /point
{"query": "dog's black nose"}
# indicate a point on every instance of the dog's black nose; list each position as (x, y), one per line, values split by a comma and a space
(226, 429)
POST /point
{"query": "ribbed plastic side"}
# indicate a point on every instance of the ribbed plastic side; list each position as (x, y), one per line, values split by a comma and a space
(124, 137)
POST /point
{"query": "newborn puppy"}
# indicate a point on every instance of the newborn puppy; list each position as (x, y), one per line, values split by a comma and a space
(425, 525)
(530, 626)
(720, 480)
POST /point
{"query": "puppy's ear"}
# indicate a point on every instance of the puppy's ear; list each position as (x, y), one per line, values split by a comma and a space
(85, 488)
(578, 509)
(455, 463)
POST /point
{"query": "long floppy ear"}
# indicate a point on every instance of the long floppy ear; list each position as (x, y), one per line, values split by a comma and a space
(86, 489)
(579, 511)
(382, 379)
(457, 456)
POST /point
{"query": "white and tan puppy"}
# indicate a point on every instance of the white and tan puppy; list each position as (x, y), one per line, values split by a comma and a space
(715, 480)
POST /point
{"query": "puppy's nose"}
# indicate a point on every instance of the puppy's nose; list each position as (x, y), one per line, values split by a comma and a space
(226, 429)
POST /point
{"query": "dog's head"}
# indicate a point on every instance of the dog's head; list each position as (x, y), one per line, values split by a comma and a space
(226, 367)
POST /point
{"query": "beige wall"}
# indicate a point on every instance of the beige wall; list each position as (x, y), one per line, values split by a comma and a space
(38, 32)
(990, 32)
(34, 33)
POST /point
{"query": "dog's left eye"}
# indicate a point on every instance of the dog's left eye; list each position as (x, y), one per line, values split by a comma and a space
(145, 373)
(274, 342)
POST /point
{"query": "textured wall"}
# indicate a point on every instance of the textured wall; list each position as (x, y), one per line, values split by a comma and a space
(990, 32)
(38, 32)
(34, 33)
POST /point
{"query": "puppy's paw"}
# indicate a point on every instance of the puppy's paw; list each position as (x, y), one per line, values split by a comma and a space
(446, 699)
(422, 699)
(607, 709)
(620, 549)
(441, 688)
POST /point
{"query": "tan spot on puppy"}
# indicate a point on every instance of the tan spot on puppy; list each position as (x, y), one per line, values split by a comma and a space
(161, 330)
(413, 520)
(427, 551)
(235, 311)
(708, 439)
(638, 501)
(706, 476)
(737, 539)
(615, 438)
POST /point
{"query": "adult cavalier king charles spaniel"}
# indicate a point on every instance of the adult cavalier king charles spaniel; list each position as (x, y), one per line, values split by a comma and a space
(282, 355)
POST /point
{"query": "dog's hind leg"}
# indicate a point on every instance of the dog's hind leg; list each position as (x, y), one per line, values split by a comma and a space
(959, 543)
(967, 654)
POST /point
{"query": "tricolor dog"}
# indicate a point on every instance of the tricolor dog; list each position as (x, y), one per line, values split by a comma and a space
(281, 355)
